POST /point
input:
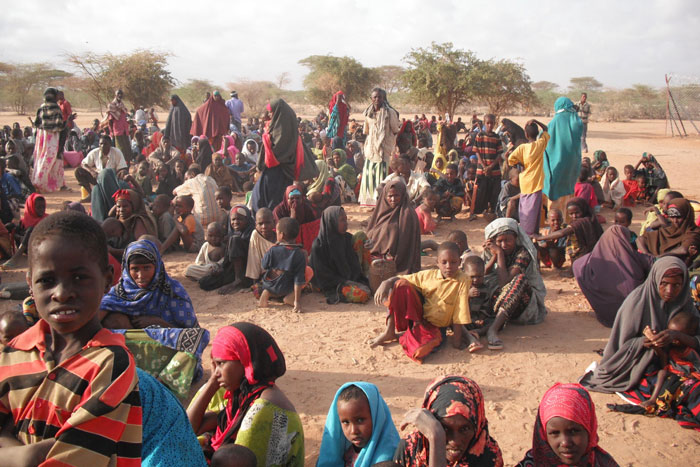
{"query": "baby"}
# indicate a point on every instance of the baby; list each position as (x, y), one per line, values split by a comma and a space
(210, 256)
(12, 324)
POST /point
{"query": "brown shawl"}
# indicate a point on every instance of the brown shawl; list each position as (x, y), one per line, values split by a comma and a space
(667, 238)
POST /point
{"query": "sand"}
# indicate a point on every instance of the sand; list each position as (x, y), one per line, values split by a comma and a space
(328, 345)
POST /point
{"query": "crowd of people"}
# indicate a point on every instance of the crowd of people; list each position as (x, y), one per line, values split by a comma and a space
(110, 343)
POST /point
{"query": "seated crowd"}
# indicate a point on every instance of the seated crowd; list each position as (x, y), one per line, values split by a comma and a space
(111, 342)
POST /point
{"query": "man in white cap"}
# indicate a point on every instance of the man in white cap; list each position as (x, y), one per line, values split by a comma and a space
(235, 107)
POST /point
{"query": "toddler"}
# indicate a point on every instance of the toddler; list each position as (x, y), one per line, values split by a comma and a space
(553, 252)
(211, 255)
(424, 212)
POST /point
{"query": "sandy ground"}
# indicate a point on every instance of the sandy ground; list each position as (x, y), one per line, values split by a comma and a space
(328, 345)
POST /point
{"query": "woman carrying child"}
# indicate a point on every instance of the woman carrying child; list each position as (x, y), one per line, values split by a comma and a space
(394, 230)
(345, 174)
(337, 270)
(258, 415)
(221, 173)
(296, 206)
(359, 429)
(512, 276)
(451, 428)
(629, 352)
(566, 431)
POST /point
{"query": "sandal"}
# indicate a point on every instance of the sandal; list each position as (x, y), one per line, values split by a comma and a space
(495, 344)
(475, 347)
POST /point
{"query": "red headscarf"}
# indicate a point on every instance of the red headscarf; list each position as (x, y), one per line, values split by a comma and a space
(121, 194)
(30, 218)
(571, 402)
(263, 362)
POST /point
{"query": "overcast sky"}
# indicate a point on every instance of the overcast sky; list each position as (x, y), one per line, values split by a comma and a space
(618, 42)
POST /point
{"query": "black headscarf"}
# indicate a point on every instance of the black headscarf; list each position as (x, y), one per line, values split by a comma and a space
(332, 257)
(204, 154)
(177, 128)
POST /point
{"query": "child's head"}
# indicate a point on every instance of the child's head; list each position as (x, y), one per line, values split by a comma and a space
(68, 271)
(287, 230)
(12, 324)
(641, 180)
(514, 176)
(623, 217)
(568, 422)
(355, 416)
(685, 322)
(141, 269)
(183, 205)
(439, 163)
(574, 210)
(180, 167)
(403, 165)
(583, 175)
(223, 196)
(531, 131)
(316, 198)
(264, 222)
(555, 218)
(611, 174)
(489, 122)
(112, 228)
(451, 172)
(431, 199)
(460, 238)
(448, 259)
(240, 218)
(233, 455)
(586, 162)
(668, 197)
(143, 168)
(471, 172)
(214, 234)
(160, 205)
(474, 268)
(629, 172)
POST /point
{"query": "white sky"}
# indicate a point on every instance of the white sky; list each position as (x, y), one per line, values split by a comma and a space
(618, 42)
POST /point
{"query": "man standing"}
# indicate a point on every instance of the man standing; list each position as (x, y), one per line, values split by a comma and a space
(235, 107)
(118, 125)
(584, 111)
(68, 117)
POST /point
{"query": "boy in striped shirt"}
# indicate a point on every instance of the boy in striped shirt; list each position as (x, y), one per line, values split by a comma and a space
(68, 388)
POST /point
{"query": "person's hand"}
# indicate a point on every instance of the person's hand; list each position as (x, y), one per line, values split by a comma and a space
(665, 338)
(424, 421)
(180, 227)
(648, 403)
(382, 293)
(493, 248)
(145, 321)
(473, 292)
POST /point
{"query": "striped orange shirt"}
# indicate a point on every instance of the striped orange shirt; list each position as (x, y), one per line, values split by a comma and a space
(90, 402)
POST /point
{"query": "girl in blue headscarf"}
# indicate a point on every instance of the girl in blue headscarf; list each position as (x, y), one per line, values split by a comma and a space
(562, 158)
(359, 430)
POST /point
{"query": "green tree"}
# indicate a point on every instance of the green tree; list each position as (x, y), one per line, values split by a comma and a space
(544, 86)
(255, 94)
(503, 84)
(389, 78)
(441, 76)
(328, 74)
(142, 75)
(193, 91)
(585, 84)
(23, 84)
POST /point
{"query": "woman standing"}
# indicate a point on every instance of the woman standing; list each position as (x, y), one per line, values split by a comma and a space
(381, 127)
(48, 168)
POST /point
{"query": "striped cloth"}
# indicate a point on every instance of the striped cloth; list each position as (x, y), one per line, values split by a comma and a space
(90, 402)
(489, 145)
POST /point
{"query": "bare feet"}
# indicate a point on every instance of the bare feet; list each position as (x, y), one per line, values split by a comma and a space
(289, 299)
(264, 296)
(386, 337)
(227, 289)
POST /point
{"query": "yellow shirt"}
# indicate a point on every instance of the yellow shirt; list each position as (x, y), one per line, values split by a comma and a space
(446, 300)
(531, 156)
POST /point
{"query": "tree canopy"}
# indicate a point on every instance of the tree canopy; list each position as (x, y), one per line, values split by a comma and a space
(328, 75)
(142, 75)
(503, 84)
(585, 83)
(23, 84)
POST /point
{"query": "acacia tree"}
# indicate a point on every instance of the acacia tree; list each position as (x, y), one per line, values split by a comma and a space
(193, 91)
(328, 74)
(390, 78)
(22, 84)
(585, 83)
(255, 94)
(441, 76)
(503, 84)
(142, 75)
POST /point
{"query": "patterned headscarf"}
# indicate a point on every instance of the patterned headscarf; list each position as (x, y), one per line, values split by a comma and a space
(163, 297)
(571, 402)
(456, 395)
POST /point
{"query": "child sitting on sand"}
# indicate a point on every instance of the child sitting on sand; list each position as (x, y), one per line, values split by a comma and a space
(553, 252)
(460, 238)
(631, 187)
(509, 197)
(451, 191)
(223, 196)
(261, 240)
(164, 220)
(210, 256)
(187, 228)
(285, 267)
(68, 339)
(584, 190)
(444, 290)
(359, 429)
(424, 212)
(144, 179)
(479, 304)
(623, 217)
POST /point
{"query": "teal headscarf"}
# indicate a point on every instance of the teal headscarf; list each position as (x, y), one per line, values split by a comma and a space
(562, 158)
(384, 439)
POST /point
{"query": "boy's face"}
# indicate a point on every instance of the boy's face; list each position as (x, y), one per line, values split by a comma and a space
(471, 173)
(223, 200)
(629, 173)
(621, 219)
(432, 201)
(159, 207)
(574, 212)
(641, 181)
(214, 235)
(451, 175)
(239, 220)
(67, 284)
(356, 420)
(611, 174)
(476, 274)
(143, 169)
(264, 223)
(448, 263)
(181, 207)
(489, 123)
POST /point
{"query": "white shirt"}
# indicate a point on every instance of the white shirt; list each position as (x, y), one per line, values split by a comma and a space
(115, 160)
(415, 186)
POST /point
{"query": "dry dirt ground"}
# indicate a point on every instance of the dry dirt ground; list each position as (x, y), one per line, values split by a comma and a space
(328, 345)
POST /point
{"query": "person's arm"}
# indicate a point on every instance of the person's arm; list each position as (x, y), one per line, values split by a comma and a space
(457, 335)
(565, 232)
(498, 257)
(139, 229)
(668, 336)
(642, 245)
(431, 428)
(201, 420)
(384, 290)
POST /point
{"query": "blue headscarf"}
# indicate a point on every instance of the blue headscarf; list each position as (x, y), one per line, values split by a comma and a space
(164, 297)
(562, 158)
(380, 447)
